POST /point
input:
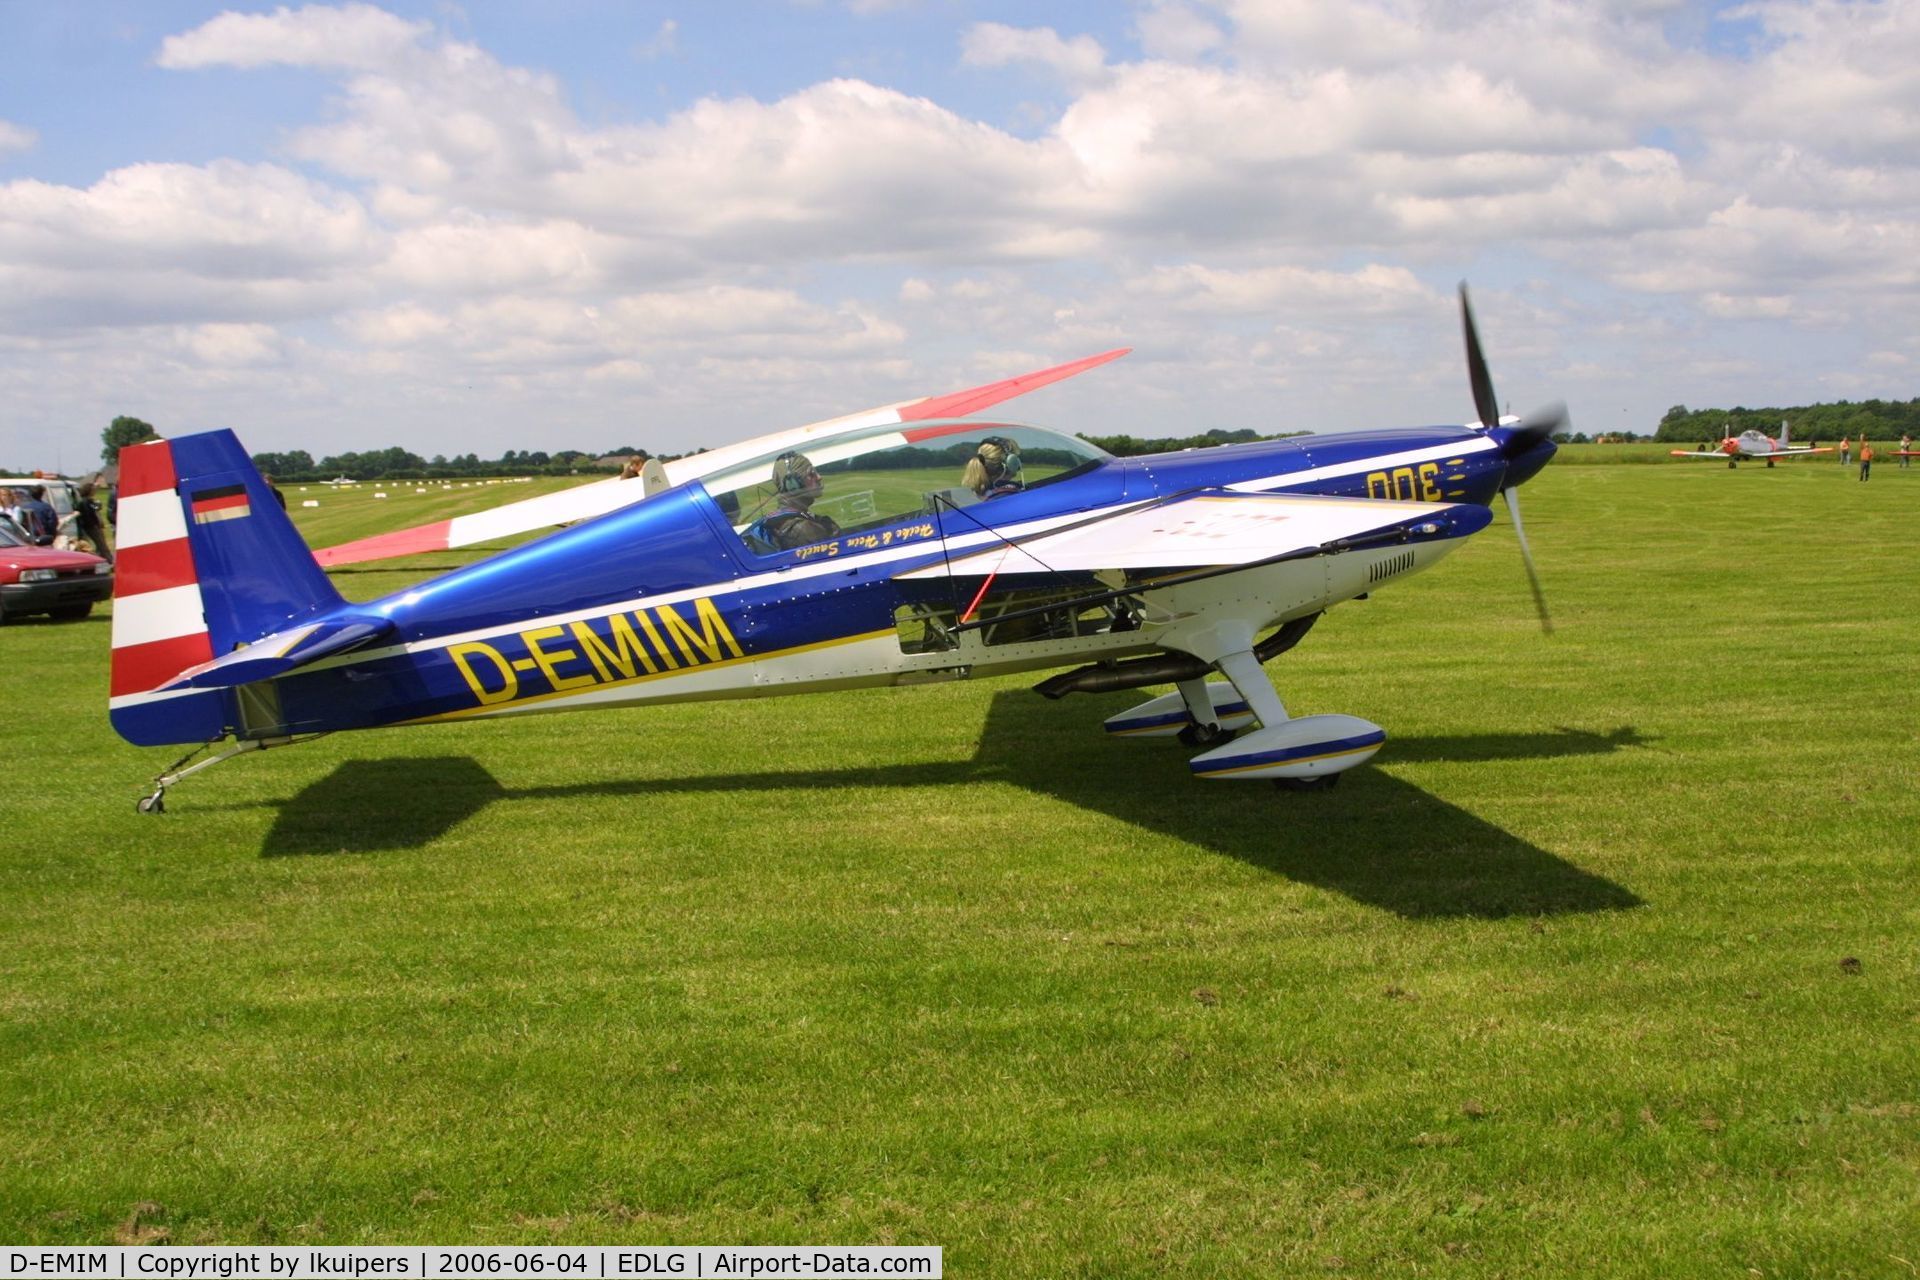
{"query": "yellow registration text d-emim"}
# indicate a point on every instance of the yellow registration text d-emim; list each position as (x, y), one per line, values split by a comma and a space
(594, 651)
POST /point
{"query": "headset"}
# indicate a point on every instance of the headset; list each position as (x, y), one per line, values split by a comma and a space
(1007, 465)
(789, 472)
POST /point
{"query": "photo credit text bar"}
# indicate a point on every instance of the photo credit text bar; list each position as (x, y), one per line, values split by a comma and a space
(473, 1262)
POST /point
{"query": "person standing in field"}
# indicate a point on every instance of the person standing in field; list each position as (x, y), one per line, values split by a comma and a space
(1844, 450)
(38, 515)
(1866, 458)
(1906, 451)
(87, 520)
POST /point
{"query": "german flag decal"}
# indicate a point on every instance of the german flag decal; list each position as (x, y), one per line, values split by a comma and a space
(229, 502)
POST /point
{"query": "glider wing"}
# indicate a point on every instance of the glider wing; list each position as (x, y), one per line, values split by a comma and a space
(601, 496)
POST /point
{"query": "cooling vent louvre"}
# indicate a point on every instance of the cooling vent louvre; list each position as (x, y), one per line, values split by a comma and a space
(1390, 566)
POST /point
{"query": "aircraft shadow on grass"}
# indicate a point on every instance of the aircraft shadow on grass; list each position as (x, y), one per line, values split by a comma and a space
(1376, 839)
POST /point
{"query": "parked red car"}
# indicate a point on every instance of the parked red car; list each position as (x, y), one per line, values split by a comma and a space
(33, 579)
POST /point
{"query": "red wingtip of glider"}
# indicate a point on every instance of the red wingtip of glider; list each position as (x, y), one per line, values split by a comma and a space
(961, 403)
(383, 546)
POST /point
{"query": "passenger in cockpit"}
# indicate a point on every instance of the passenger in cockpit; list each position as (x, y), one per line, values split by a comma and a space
(994, 469)
(793, 522)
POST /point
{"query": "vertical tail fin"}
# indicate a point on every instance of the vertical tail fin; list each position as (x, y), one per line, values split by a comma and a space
(257, 574)
(208, 562)
(1783, 433)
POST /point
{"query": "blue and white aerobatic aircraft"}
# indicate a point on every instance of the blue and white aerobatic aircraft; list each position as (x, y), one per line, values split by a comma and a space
(895, 547)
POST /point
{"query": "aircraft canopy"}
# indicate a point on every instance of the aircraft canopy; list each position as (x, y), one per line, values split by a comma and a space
(889, 473)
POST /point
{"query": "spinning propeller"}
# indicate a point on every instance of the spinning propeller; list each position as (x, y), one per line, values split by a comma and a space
(1514, 443)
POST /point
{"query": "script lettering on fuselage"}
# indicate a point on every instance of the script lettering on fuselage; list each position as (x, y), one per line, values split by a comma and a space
(594, 651)
(869, 541)
(1410, 484)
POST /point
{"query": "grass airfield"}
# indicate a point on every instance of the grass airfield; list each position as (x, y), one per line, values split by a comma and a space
(1609, 964)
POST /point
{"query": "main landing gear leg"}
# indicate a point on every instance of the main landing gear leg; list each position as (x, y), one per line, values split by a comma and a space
(157, 801)
(1250, 678)
(1203, 724)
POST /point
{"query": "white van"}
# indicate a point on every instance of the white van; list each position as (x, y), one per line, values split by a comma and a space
(62, 495)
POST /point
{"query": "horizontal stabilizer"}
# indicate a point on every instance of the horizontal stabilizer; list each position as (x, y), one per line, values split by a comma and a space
(280, 653)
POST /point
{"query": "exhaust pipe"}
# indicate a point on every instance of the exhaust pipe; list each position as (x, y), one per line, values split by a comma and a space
(1165, 668)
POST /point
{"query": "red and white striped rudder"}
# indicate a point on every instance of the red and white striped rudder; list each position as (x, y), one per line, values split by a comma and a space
(159, 621)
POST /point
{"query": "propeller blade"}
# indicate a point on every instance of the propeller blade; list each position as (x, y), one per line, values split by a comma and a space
(1526, 557)
(1484, 401)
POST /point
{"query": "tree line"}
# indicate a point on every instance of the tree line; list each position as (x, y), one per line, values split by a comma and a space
(1134, 446)
(395, 463)
(1873, 419)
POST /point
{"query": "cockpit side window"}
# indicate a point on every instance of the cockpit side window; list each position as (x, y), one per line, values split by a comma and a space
(848, 486)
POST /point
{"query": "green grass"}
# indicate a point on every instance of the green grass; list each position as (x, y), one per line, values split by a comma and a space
(1553, 988)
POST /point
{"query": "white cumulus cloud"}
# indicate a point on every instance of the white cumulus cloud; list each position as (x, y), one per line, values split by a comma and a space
(351, 36)
(1079, 60)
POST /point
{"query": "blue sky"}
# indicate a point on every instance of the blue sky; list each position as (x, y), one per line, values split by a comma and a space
(582, 224)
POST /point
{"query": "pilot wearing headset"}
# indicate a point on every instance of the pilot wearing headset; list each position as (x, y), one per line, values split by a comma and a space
(793, 522)
(994, 469)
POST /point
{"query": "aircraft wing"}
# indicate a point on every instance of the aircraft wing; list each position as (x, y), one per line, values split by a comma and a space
(1211, 529)
(601, 496)
(1721, 455)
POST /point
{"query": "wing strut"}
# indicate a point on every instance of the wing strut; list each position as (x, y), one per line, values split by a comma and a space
(940, 500)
